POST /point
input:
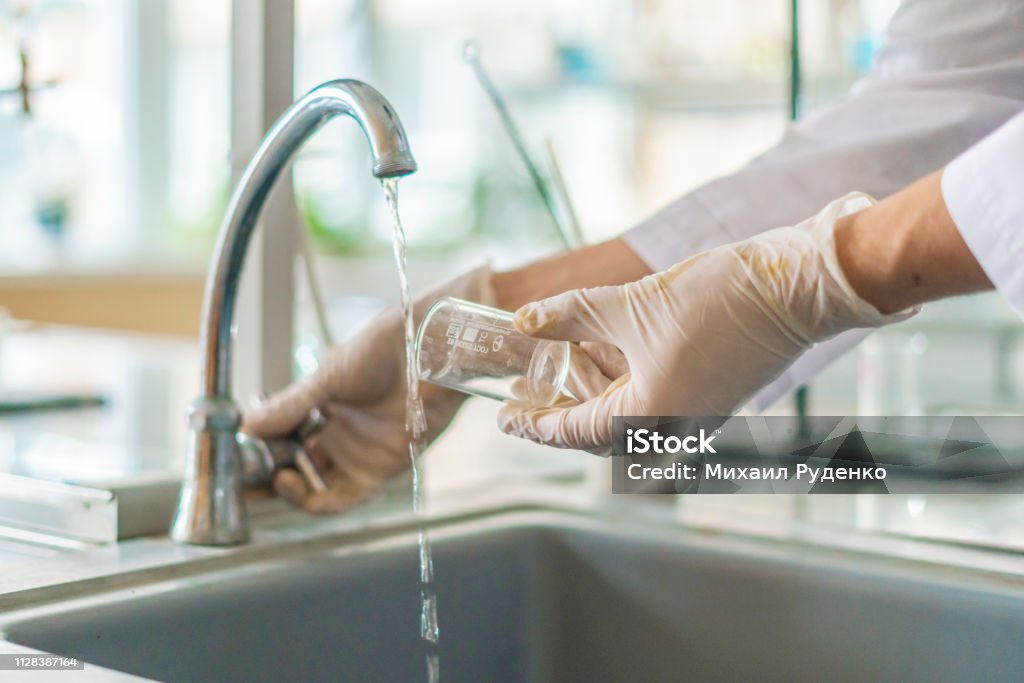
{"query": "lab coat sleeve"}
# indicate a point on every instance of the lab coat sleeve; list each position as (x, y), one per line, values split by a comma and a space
(877, 142)
(984, 192)
(949, 73)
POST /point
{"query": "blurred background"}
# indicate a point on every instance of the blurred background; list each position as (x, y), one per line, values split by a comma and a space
(115, 164)
(116, 167)
(124, 152)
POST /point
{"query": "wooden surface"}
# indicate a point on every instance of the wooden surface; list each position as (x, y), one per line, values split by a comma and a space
(163, 304)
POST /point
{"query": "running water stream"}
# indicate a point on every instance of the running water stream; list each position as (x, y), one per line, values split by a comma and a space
(415, 426)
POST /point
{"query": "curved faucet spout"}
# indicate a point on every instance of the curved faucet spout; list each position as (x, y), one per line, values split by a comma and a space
(211, 508)
(391, 157)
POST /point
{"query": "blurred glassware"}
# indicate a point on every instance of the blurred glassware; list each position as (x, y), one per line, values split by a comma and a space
(889, 374)
(551, 190)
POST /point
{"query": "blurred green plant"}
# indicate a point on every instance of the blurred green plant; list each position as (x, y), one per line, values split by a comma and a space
(497, 207)
(196, 232)
(333, 236)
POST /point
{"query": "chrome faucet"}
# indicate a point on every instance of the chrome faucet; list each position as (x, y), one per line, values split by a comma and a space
(211, 507)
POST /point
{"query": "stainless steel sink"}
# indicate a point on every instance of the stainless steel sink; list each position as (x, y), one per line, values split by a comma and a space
(544, 596)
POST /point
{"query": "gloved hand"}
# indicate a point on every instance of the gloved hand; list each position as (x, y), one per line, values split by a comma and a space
(701, 338)
(361, 389)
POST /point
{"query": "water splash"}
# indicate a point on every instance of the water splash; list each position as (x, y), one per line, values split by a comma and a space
(415, 425)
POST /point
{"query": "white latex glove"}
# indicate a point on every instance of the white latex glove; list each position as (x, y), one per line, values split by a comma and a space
(361, 389)
(701, 338)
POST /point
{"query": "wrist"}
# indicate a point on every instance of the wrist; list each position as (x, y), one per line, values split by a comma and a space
(907, 250)
(869, 257)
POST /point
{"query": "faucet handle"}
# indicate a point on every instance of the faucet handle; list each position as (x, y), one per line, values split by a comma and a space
(263, 457)
(309, 471)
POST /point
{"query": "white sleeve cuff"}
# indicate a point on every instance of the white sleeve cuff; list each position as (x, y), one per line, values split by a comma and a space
(984, 192)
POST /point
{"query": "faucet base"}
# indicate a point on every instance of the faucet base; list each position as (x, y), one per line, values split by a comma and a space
(211, 507)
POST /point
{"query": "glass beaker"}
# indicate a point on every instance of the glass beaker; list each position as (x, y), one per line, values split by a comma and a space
(477, 350)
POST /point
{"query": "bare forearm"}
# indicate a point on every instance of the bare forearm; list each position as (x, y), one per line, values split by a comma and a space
(907, 250)
(904, 251)
(607, 263)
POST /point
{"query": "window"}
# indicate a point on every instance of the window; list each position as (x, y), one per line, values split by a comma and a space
(632, 98)
(123, 145)
(126, 147)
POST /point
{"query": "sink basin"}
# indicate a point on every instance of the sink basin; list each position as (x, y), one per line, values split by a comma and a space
(546, 596)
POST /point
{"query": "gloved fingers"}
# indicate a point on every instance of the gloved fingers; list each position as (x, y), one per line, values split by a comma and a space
(522, 402)
(362, 454)
(586, 379)
(364, 368)
(521, 390)
(359, 448)
(316, 447)
(609, 358)
(569, 424)
(283, 412)
(342, 493)
(356, 372)
(476, 285)
(289, 485)
(576, 315)
(563, 426)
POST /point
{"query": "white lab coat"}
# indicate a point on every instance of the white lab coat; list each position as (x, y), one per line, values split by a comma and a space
(984, 192)
(949, 73)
